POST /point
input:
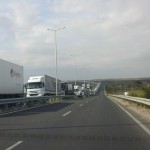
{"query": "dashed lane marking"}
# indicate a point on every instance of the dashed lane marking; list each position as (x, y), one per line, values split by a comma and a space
(14, 145)
(66, 113)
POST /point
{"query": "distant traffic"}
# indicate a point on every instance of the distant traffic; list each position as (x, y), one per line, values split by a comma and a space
(12, 84)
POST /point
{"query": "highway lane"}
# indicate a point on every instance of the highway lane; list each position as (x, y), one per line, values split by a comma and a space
(94, 123)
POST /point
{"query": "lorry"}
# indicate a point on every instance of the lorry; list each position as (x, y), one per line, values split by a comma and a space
(11, 80)
(95, 88)
(67, 88)
(78, 91)
(42, 86)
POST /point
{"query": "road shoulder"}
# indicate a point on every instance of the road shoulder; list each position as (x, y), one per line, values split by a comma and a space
(142, 114)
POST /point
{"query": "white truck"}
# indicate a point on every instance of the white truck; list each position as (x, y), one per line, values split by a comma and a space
(78, 90)
(96, 88)
(11, 80)
(42, 86)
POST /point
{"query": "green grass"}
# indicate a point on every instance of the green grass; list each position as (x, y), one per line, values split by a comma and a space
(137, 93)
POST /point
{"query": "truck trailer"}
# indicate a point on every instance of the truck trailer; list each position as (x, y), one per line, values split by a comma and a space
(42, 86)
(67, 88)
(11, 80)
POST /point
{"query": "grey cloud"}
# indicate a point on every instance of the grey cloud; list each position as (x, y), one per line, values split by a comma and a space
(111, 38)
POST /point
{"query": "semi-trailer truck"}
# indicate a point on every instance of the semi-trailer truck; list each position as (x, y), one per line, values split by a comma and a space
(42, 86)
(78, 91)
(11, 80)
(67, 88)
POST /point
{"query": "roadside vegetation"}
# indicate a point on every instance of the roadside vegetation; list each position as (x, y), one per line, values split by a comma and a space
(136, 88)
(137, 93)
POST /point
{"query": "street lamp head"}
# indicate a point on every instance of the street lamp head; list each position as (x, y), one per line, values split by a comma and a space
(56, 29)
(74, 55)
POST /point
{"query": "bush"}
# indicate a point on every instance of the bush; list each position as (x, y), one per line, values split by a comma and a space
(147, 92)
(133, 94)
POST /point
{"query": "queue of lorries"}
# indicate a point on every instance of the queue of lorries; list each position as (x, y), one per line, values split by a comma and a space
(12, 84)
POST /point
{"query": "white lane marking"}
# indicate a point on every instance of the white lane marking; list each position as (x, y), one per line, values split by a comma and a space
(66, 113)
(81, 105)
(147, 130)
(14, 145)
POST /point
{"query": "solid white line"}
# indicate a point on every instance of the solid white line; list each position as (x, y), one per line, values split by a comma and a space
(81, 105)
(147, 130)
(14, 145)
(66, 113)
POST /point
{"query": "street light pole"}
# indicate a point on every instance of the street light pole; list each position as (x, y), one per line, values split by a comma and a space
(74, 56)
(55, 30)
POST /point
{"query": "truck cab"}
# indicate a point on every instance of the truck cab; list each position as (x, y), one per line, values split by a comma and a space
(78, 90)
(35, 86)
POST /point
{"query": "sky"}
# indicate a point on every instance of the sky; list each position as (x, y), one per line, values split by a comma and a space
(109, 38)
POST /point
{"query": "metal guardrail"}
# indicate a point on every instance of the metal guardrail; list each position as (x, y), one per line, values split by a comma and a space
(29, 99)
(139, 100)
(14, 104)
(8, 105)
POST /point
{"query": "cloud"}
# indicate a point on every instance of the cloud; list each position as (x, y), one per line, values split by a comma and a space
(111, 38)
(23, 12)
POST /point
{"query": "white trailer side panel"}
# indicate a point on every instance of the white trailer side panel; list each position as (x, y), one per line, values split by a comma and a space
(50, 84)
(11, 78)
(70, 87)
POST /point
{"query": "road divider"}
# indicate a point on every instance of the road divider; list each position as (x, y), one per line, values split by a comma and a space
(10, 105)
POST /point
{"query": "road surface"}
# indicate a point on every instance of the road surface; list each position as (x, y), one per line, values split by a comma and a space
(94, 123)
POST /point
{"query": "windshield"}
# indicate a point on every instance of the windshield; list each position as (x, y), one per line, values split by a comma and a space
(35, 85)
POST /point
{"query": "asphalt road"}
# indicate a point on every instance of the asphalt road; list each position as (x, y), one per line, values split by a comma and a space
(94, 123)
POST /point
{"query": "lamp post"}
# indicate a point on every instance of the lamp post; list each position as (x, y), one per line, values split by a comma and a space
(74, 56)
(55, 30)
(84, 69)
